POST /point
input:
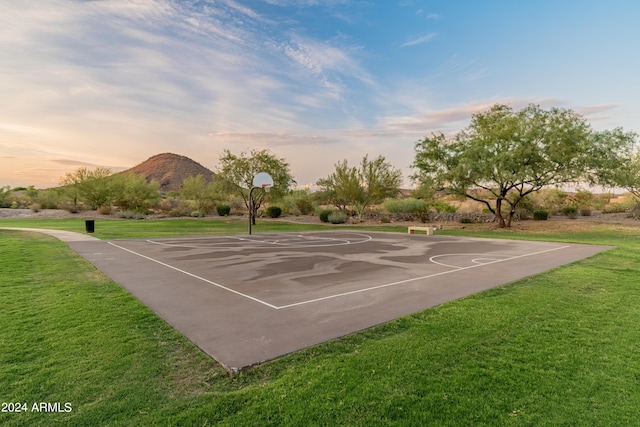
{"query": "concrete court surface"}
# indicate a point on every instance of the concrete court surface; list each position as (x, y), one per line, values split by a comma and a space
(247, 299)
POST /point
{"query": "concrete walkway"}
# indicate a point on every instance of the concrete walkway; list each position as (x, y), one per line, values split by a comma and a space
(65, 236)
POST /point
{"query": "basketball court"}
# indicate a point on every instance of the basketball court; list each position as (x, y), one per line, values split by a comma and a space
(245, 299)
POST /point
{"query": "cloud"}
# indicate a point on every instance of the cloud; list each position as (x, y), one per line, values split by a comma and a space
(594, 112)
(457, 117)
(416, 40)
(274, 139)
(70, 162)
(137, 63)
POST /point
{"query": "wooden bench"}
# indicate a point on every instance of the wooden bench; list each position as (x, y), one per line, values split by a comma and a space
(427, 230)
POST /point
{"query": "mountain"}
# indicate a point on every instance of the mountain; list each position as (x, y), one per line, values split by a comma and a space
(170, 170)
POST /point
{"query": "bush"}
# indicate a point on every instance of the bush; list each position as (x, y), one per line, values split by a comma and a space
(635, 212)
(540, 215)
(223, 210)
(304, 206)
(466, 220)
(197, 214)
(49, 199)
(409, 205)
(35, 207)
(70, 207)
(337, 217)
(585, 212)
(385, 220)
(274, 211)
(324, 215)
(614, 208)
(441, 206)
(104, 210)
(570, 211)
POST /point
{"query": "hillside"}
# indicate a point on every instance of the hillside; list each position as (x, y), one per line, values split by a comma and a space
(170, 170)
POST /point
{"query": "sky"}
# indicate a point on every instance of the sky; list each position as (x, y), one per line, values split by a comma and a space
(111, 83)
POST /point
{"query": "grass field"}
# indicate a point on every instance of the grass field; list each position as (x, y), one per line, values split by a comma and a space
(560, 348)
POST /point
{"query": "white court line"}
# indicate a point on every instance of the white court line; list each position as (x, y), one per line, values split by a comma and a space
(196, 277)
(489, 260)
(267, 243)
(386, 285)
(483, 260)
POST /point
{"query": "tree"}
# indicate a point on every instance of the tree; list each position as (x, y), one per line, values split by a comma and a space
(627, 175)
(342, 187)
(510, 154)
(618, 160)
(202, 193)
(132, 192)
(4, 196)
(371, 183)
(91, 187)
(235, 175)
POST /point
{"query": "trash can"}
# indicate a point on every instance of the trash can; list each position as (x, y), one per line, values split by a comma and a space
(90, 225)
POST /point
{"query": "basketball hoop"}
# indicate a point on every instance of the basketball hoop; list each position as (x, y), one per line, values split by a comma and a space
(264, 181)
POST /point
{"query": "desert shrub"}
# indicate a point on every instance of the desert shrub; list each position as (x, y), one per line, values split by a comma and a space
(585, 212)
(550, 199)
(274, 211)
(635, 212)
(614, 208)
(324, 215)
(385, 219)
(304, 206)
(223, 210)
(540, 215)
(524, 209)
(70, 207)
(337, 217)
(570, 211)
(600, 200)
(236, 203)
(35, 207)
(409, 205)
(197, 214)
(441, 206)
(49, 199)
(131, 192)
(584, 199)
(296, 202)
(105, 210)
(465, 220)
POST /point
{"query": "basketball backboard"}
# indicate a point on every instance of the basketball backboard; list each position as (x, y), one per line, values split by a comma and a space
(263, 180)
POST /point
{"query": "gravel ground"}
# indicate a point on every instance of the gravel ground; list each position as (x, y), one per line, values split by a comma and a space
(46, 213)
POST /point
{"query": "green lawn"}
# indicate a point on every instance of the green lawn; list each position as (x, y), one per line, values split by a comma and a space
(117, 229)
(560, 348)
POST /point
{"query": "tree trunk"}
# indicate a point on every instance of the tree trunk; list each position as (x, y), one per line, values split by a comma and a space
(509, 218)
(499, 217)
